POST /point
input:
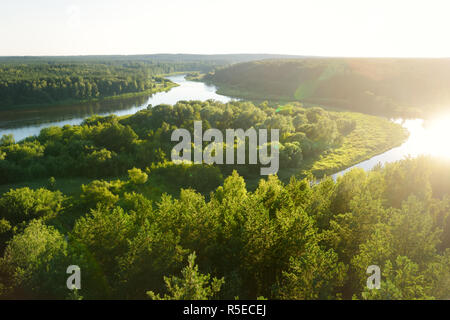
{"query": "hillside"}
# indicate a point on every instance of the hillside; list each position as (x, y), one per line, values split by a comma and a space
(390, 87)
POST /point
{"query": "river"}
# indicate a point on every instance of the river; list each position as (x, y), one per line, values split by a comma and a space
(425, 138)
(28, 122)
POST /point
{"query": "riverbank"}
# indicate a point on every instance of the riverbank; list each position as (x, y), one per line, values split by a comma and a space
(372, 136)
(69, 102)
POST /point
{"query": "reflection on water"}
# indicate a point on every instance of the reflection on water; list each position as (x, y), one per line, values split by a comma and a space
(32, 116)
(28, 122)
(426, 138)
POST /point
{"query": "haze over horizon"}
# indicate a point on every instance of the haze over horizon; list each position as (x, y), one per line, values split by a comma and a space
(359, 28)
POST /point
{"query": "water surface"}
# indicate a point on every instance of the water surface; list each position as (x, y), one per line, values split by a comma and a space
(425, 138)
(25, 122)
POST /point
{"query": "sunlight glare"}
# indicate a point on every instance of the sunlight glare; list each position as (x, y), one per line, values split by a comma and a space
(437, 132)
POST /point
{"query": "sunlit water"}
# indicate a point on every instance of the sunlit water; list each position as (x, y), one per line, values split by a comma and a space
(425, 138)
(23, 123)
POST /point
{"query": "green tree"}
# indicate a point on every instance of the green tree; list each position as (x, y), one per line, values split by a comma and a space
(192, 286)
(98, 192)
(35, 262)
(137, 177)
(6, 140)
(25, 204)
(402, 281)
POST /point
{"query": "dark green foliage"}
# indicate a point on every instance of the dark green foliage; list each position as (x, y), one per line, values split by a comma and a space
(202, 177)
(45, 84)
(25, 204)
(282, 241)
(34, 264)
(49, 82)
(193, 285)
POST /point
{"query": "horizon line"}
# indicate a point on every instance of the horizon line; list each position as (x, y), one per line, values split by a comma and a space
(226, 54)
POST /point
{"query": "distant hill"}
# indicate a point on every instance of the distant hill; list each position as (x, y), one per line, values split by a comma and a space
(391, 87)
(162, 57)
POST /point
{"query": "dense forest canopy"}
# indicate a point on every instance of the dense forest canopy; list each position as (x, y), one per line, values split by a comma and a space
(390, 87)
(50, 83)
(282, 241)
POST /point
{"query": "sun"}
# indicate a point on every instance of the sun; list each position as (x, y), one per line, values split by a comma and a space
(438, 136)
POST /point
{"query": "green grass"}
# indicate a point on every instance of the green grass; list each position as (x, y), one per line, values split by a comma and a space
(71, 187)
(154, 187)
(238, 92)
(68, 186)
(372, 136)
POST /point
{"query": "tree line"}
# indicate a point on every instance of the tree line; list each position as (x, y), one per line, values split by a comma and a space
(387, 87)
(41, 83)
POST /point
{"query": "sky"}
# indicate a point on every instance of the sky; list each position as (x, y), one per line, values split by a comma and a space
(380, 28)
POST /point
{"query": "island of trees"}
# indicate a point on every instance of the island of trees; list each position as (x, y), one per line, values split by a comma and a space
(312, 140)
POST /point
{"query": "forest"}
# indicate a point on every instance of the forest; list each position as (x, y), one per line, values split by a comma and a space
(42, 81)
(105, 196)
(47, 84)
(140, 226)
(310, 138)
(299, 240)
(224, 159)
(404, 88)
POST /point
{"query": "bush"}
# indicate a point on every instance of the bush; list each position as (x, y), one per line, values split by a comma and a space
(25, 204)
